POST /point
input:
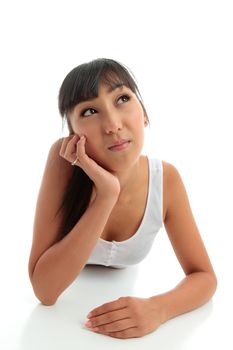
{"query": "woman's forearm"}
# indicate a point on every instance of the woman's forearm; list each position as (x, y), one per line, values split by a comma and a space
(193, 291)
(61, 264)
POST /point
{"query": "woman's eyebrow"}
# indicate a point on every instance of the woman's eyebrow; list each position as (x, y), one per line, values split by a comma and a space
(115, 86)
(111, 89)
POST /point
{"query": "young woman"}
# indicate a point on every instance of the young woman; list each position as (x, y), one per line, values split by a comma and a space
(102, 202)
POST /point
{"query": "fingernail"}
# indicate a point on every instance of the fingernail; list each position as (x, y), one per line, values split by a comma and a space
(88, 324)
(95, 329)
(89, 315)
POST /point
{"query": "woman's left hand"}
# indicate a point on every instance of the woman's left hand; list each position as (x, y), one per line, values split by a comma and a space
(126, 317)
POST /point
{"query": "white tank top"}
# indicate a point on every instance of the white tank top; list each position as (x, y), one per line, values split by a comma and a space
(133, 250)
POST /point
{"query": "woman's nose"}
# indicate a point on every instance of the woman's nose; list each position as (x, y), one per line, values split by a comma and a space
(112, 123)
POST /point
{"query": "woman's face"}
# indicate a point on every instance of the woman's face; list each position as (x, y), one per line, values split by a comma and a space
(114, 115)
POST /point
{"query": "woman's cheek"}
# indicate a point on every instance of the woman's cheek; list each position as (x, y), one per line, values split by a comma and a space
(91, 150)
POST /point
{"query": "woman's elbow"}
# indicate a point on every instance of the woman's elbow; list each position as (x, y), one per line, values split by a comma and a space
(45, 299)
(215, 282)
(48, 302)
(212, 282)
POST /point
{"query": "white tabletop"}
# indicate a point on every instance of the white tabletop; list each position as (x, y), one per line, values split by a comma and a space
(26, 324)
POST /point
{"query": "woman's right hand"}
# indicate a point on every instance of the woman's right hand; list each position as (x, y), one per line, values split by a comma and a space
(106, 184)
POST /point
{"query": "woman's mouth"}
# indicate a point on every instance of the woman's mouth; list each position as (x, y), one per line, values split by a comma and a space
(120, 146)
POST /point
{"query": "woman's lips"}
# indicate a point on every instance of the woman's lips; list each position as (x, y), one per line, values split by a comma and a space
(120, 146)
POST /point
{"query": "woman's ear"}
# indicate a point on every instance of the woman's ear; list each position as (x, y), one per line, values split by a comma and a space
(145, 120)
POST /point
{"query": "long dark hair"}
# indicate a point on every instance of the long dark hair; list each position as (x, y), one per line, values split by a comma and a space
(82, 83)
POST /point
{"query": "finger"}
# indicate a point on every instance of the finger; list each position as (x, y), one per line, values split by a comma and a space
(109, 317)
(66, 140)
(116, 326)
(71, 147)
(80, 149)
(111, 306)
(132, 332)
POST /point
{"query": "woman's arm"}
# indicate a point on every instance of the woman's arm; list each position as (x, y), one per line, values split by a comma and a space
(192, 292)
(129, 317)
(53, 264)
(200, 282)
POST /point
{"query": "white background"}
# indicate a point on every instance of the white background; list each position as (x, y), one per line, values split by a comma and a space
(181, 54)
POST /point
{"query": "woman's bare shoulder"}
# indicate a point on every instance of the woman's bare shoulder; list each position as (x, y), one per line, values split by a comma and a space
(55, 163)
(169, 171)
(170, 174)
(54, 152)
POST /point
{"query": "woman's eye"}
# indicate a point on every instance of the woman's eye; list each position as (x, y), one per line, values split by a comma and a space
(124, 98)
(85, 114)
(89, 111)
